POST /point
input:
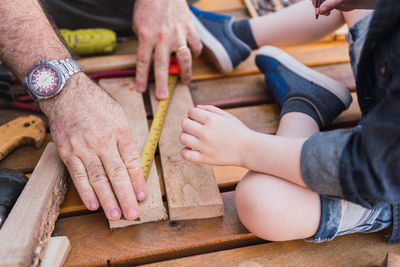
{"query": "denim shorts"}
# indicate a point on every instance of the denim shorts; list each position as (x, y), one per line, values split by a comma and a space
(338, 216)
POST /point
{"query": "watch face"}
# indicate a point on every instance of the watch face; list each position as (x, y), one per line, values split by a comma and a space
(44, 79)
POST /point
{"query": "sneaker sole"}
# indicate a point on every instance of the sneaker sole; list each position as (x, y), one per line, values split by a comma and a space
(213, 47)
(292, 64)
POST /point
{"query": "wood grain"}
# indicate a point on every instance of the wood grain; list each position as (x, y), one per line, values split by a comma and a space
(317, 54)
(192, 192)
(251, 90)
(122, 90)
(349, 250)
(27, 229)
(107, 63)
(93, 244)
(57, 251)
(219, 5)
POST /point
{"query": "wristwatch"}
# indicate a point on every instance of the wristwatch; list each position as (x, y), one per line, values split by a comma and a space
(47, 78)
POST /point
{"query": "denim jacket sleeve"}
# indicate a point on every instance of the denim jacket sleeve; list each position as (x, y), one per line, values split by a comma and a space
(360, 166)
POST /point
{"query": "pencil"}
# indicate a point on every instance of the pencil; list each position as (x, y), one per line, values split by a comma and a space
(316, 8)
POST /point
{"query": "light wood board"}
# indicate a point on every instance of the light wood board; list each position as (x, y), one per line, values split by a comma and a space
(219, 5)
(356, 250)
(123, 91)
(27, 229)
(192, 192)
(57, 251)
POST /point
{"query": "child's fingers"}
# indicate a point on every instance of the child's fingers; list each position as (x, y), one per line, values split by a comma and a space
(191, 155)
(199, 115)
(190, 141)
(327, 6)
(213, 109)
(192, 127)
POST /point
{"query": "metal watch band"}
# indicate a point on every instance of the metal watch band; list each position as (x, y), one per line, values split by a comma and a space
(67, 66)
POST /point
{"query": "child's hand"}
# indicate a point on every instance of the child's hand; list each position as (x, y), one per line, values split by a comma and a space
(213, 136)
(344, 5)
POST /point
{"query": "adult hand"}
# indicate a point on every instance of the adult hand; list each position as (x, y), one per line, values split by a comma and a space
(95, 142)
(162, 27)
(344, 5)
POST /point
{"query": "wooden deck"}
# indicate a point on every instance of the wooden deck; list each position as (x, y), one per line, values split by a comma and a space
(217, 241)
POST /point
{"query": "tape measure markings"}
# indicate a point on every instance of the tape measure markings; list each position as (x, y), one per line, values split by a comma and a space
(150, 146)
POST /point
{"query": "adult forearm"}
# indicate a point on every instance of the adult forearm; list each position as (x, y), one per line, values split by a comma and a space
(276, 155)
(27, 36)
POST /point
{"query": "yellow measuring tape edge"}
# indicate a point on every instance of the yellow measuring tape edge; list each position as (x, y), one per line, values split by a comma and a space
(150, 146)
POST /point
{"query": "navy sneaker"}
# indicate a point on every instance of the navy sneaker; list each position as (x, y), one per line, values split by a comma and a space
(215, 31)
(298, 88)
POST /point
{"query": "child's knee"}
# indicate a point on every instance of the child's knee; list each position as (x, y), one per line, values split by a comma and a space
(257, 205)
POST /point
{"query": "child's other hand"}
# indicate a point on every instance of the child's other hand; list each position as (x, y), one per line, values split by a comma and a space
(213, 136)
(344, 5)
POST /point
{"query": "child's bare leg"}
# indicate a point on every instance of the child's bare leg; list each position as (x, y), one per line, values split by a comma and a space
(296, 124)
(275, 209)
(352, 17)
(294, 25)
(277, 29)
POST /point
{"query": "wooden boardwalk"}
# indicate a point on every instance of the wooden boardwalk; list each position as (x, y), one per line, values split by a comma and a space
(221, 241)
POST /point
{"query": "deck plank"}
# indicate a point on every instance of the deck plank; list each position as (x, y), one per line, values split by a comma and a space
(350, 250)
(93, 244)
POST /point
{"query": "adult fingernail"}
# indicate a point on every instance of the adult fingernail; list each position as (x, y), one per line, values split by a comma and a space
(140, 195)
(163, 94)
(93, 205)
(324, 9)
(140, 88)
(114, 213)
(132, 213)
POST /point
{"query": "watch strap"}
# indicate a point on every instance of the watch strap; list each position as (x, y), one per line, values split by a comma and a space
(67, 66)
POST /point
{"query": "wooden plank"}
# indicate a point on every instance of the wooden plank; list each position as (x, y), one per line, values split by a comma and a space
(251, 90)
(349, 250)
(57, 251)
(219, 5)
(123, 91)
(28, 227)
(192, 192)
(93, 244)
(317, 54)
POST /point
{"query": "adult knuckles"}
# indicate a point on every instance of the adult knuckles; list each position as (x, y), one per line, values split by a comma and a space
(144, 34)
(132, 162)
(97, 174)
(125, 197)
(118, 174)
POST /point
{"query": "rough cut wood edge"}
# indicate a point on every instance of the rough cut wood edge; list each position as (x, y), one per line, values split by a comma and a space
(57, 251)
(122, 90)
(192, 192)
(31, 221)
(391, 260)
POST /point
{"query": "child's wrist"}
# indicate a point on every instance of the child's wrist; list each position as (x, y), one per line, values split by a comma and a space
(244, 151)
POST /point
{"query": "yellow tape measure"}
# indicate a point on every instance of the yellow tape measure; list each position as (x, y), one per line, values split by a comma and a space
(150, 146)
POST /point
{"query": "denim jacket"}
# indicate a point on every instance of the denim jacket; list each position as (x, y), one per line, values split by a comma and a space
(364, 166)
